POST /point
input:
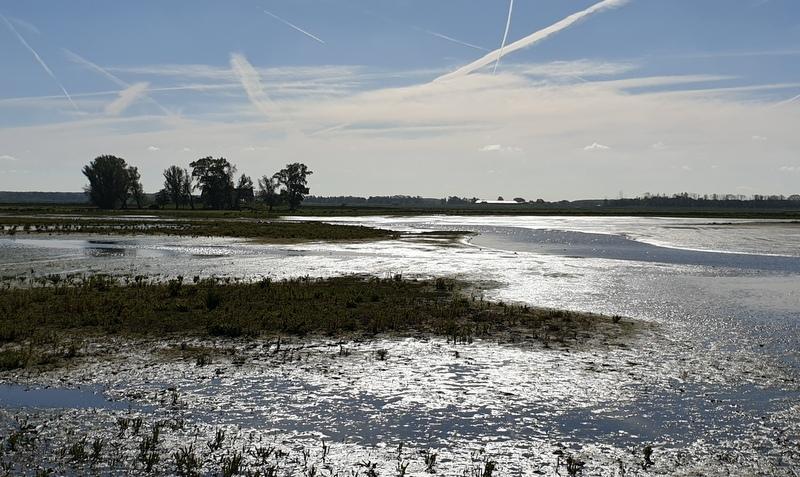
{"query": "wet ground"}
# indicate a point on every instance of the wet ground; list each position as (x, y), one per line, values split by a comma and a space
(711, 388)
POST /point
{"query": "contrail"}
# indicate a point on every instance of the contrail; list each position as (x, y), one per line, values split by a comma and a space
(40, 60)
(287, 22)
(505, 36)
(112, 77)
(533, 38)
(450, 38)
(414, 27)
(95, 67)
(251, 82)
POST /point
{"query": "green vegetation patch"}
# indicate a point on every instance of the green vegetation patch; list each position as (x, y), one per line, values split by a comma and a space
(264, 230)
(47, 316)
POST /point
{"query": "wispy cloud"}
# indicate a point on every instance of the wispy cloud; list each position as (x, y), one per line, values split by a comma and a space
(126, 98)
(576, 68)
(533, 38)
(787, 101)
(500, 148)
(28, 26)
(111, 77)
(7, 157)
(39, 60)
(758, 138)
(659, 146)
(596, 146)
(292, 25)
(153, 148)
(251, 82)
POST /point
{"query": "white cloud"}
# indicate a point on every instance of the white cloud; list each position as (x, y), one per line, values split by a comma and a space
(126, 98)
(187, 149)
(500, 148)
(659, 146)
(789, 168)
(686, 168)
(7, 157)
(759, 138)
(153, 148)
(596, 146)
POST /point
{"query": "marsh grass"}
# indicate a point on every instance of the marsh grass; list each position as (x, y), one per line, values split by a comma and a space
(258, 229)
(46, 322)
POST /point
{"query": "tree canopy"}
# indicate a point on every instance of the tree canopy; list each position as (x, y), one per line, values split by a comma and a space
(215, 179)
(294, 180)
(110, 181)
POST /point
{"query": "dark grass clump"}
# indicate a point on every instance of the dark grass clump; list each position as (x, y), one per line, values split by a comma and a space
(46, 315)
(252, 228)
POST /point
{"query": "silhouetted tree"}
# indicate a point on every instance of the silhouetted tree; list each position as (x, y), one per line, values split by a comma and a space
(268, 192)
(175, 179)
(215, 179)
(109, 181)
(135, 188)
(294, 180)
(244, 191)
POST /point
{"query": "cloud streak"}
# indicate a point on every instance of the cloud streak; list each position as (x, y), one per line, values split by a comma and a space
(292, 25)
(533, 38)
(126, 98)
(251, 82)
(39, 60)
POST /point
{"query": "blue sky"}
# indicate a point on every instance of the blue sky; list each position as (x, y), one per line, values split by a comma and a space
(642, 96)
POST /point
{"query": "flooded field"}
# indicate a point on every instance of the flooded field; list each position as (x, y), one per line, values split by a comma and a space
(708, 388)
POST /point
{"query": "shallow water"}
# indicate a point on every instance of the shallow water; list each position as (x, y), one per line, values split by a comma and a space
(713, 388)
(18, 396)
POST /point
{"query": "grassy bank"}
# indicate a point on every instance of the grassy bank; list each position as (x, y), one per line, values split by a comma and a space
(40, 322)
(264, 230)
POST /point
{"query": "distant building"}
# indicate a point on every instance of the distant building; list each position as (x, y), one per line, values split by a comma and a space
(497, 202)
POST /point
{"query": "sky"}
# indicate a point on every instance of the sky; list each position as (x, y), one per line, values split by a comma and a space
(586, 99)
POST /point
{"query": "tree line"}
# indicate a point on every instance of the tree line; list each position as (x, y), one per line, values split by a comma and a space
(113, 183)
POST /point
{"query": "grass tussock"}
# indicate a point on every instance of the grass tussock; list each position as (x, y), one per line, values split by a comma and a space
(42, 314)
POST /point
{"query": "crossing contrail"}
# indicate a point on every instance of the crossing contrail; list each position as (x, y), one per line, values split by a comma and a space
(292, 25)
(505, 36)
(40, 61)
(533, 38)
(113, 78)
